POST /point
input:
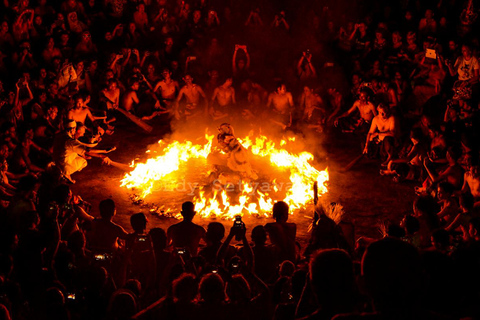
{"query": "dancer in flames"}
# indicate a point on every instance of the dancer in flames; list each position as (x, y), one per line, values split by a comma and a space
(231, 154)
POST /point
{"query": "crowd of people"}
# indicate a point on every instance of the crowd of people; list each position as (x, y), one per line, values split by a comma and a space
(400, 77)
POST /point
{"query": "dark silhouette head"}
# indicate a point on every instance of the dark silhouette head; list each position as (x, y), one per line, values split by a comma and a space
(188, 211)
(394, 230)
(392, 274)
(107, 209)
(212, 289)
(185, 288)
(411, 224)
(134, 286)
(332, 277)
(280, 211)
(62, 194)
(238, 289)
(138, 222)
(76, 241)
(259, 235)
(122, 305)
(159, 238)
(215, 232)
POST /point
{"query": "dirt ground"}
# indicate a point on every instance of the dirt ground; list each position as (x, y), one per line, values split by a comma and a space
(367, 198)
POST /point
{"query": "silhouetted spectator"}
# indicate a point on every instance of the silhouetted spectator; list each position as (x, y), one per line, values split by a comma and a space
(214, 235)
(105, 233)
(392, 273)
(332, 282)
(141, 262)
(186, 234)
(265, 256)
(281, 233)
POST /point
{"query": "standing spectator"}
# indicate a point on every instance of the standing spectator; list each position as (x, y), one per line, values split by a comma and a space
(265, 256)
(186, 234)
(392, 273)
(105, 233)
(141, 263)
(282, 233)
(214, 236)
(332, 282)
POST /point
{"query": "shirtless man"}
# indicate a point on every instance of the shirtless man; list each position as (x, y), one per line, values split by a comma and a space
(212, 83)
(313, 109)
(453, 174)
(382, 131)
(224, 95)
(80, 111)
(472, 182)
(111, 97)
(130, 98)
(336, 102)
(68, 154)
(282, 103)
(256, 94)
(89, 151)
(192, 94)
(168, 89)
(111, 94)
(367, 112)
(282, 233)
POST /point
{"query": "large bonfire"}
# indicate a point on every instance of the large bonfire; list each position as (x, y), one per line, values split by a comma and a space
(226, 194)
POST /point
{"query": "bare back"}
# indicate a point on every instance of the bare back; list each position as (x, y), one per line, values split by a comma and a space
(130, 99)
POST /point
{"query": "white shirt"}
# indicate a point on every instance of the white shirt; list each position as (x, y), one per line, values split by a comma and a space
(466, 68)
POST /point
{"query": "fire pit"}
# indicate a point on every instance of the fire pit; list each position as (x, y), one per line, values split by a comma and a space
(187, 170)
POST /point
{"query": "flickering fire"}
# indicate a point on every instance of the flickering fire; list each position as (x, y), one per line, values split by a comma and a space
(230, 194)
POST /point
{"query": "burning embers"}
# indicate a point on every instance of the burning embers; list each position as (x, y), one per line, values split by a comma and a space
(237, 176)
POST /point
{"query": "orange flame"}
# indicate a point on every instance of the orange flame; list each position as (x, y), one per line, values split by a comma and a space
(224, 198)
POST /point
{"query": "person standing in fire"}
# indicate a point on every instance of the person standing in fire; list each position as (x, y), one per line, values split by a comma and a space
(236, 156)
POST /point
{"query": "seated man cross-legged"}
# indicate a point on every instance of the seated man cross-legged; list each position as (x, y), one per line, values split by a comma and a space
(382, 133)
